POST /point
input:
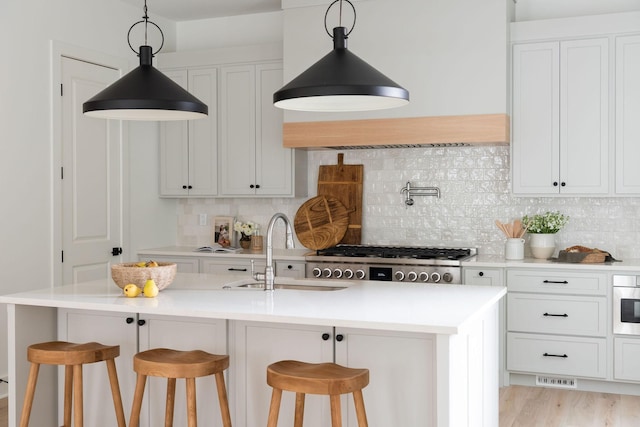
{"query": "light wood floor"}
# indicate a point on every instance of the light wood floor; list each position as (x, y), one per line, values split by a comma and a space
(547, 407)
(544, 407)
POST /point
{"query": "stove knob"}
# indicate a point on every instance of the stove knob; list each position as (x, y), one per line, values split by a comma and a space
(399, 276)
(360, 274)
(326, 272)
(447, 277)
(424, 276)
(348, 273)
(435, 277)
(337, 273)
(412, 276)
(316, 272)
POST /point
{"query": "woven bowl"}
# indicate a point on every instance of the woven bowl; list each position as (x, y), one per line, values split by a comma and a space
(163, 274)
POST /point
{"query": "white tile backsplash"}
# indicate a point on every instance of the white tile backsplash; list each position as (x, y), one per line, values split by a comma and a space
(475, 191)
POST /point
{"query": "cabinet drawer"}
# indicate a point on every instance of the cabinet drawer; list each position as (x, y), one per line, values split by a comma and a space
(292, 269)
(183, 264)
(483, 276)
(562, 355)
(626, 359)
(235, 266)
(557, 282)
(571, 315)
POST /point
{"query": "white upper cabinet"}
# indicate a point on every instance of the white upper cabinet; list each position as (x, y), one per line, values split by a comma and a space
(252, 158)
(188, 149)
(627, 114)
(561, 117)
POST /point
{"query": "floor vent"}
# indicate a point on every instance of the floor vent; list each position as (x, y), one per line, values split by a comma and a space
(556, 382)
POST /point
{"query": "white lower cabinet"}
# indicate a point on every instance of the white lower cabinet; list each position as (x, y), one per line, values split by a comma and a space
(138, 333)
(557, 322)
(402, 368)
(483, 276)
(183, 264)
(240, 267)
(627, 359)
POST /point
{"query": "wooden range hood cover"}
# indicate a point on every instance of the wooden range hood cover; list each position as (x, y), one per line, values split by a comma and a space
(483, 129)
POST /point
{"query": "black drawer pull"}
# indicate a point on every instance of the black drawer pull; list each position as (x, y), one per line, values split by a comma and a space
(561, 282)
(556, 315)
(564, 356)
(236, 269)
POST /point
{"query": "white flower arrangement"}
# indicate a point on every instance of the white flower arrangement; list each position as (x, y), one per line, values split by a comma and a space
(246, 228)
(546, 223)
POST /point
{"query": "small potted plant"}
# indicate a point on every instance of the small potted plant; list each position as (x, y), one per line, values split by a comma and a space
(542, 229)
(245, 229)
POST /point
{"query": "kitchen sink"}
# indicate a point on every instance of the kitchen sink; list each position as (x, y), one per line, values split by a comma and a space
(290, 284)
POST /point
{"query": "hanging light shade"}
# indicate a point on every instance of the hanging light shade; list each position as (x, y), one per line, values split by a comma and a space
(340, 81)
(145, 93)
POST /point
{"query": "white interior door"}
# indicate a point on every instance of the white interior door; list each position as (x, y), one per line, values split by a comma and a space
(91, 176)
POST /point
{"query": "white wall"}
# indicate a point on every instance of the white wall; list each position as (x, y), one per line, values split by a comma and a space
(27, 27)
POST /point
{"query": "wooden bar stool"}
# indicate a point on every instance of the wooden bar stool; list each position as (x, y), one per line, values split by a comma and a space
(322, 378)
(72, 356)
(172, 364)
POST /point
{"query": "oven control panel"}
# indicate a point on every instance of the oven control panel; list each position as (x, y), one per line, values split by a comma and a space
(382, 272)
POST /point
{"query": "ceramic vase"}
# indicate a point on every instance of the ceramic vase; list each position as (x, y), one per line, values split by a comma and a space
(245, 241)
(542, 245)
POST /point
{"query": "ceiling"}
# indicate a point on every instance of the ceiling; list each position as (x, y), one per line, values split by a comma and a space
(187, 10)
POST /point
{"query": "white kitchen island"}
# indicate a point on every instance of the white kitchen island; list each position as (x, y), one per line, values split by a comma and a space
(461, 322)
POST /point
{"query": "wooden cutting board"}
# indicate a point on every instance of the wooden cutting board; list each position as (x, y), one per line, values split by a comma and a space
(321, 222)
(344, 182)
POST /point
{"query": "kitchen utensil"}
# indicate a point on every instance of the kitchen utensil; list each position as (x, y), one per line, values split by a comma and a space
(344, 182)
(321, 222)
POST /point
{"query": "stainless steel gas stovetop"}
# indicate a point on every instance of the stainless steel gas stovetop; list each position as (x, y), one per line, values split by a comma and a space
(389, 263)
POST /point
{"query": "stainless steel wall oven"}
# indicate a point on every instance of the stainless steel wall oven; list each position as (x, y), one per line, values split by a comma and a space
(626, 304)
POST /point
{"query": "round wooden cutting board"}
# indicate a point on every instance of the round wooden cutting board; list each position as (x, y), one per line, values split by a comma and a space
(321, 222)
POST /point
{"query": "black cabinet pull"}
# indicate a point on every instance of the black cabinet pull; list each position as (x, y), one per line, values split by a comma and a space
(129, 320)
(481, 274)
(184, 187)
(560, 282)
(339, 337)
(564, 356)
(252, 186)
(564, 184)
(257, 185)
(190, 187)
(141, 322)
(236, 269)
(556, 315)
(289, 267)
(325, 336)
(555, 183)
(116, 251)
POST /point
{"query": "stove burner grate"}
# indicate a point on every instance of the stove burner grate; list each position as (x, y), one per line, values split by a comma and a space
(411, 252)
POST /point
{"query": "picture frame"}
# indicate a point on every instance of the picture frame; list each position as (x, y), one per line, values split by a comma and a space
(222, 231)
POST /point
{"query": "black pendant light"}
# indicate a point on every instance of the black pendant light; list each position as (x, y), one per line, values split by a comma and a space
(340, 81)
(145, 93)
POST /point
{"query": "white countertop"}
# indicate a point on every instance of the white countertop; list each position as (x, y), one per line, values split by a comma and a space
(410, 307)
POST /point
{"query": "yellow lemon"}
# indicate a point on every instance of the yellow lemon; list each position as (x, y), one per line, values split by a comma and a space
(131, 290)
(141, 264)
(150, 289)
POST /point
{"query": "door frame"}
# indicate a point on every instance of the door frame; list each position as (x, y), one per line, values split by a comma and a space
(60, 50)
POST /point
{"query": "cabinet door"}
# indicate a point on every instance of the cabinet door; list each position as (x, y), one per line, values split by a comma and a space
(290, 269)
(183, 264)
(626, 359)
(483, 276)
(536, 106)
(401, 368)
(274, 172)
(203, 135)
(627, 113)
(584, 116)
(238, 130)
(109, 329)
(181, 333)
(235, 266)
(174, 149)
(256, 346)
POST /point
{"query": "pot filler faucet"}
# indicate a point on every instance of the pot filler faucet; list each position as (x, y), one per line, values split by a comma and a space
(269, 274)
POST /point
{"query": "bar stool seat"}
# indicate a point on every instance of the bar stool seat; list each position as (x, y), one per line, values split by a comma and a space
(323, 379)
(173, 364)
(72, 356)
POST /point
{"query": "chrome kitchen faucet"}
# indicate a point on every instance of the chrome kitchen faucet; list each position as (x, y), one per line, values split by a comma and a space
(269, 274)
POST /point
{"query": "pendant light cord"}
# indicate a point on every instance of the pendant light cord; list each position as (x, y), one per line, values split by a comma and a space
(146, 22)
(326, 14)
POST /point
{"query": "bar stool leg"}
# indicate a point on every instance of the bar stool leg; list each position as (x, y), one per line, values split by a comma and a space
(299, 410)
(192, 413)
(170, 403)
(134, 420)
(68, 394)
(28, 396)
(77, 396)
(336, 411)
(223, 399)
(274, 408)
(360, 412)
(115, 392)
